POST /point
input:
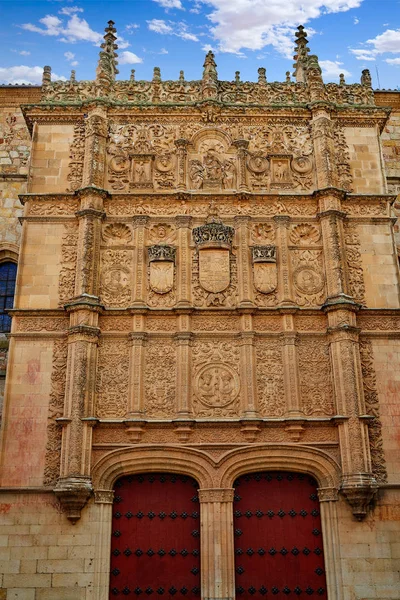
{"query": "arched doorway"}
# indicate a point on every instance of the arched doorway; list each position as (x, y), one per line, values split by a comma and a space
(278, 537)
(155, 547)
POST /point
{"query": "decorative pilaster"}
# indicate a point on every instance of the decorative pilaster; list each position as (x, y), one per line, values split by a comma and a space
(358, 483)
(242, 146)
(244, 264)
(324, 147)
(248, 368)
(96, 131)
(331, 217)
(291, 370)
(285, 293)
(217, 546)
(183, 223)
(183, 374)
(181, 145)
(136, 371)
(139, 287)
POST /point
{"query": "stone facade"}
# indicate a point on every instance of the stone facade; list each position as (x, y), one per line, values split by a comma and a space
(209, 285)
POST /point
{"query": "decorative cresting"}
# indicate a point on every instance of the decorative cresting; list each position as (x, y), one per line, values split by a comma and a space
(264, 268)
(214, 241)
(161, 262)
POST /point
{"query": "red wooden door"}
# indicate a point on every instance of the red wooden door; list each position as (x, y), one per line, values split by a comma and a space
(278, 539)
(155, 548)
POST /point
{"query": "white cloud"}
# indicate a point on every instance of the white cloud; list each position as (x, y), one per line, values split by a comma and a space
(70, 10)
(333, 68)
(69, 55)
(254, 24)
(129, 58)
(22, 52)
(74, 63)
(393, 61)
(167, 4)
(171, 28)
(23, 74)
(131, 27)
(386, 42)
(76, 30)
(356, 21)
(163, 51)
(208, 48)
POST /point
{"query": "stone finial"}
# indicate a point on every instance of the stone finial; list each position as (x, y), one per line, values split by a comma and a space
(107, 65)
(288, 80)
(237, 77)
(181, 77)
(210, 76)
(262, 78)
(365, 78)
(300, 57)
(156, 74)
(342, 80)
(46, 78)
(132, 77)
(72, 76)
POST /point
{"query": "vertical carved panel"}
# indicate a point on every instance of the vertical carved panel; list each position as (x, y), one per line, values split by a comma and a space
(66, 284)
(270, 386)
(160, 379)
(56, 407)
(354, 263)
(112, 379)
(116, 278)
(315, 377)
(308, 277)
(372, 408)
(77, 154)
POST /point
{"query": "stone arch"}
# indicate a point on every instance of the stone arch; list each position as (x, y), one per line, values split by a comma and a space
(8, 252)
(148, 459)
(211, 134)
(300, 459)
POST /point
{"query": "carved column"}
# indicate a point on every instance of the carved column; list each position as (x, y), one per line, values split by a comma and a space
(358, 482)
(181, 145)
(103, 506)
(331, 217)
(96, 131)
(139, 286)
(217, 546)
(291, 373)
(74, 486)
(184, 374)
(328, 498)
(242, 146)
(244, 265)
(136, 384)
(285, 292)
(184, 272)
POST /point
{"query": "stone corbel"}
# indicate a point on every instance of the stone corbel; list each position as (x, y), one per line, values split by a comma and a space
(251, 429)
(135, 429)
(359, 491)
(73, 492)
(183, 430)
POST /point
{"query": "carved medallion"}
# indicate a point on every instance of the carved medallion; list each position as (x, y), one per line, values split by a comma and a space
(308, 280)
(115, 280)
(214, 269)
(217, 385)
(257, 164)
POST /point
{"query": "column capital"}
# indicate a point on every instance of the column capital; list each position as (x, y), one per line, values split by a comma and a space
(216, 495)
(183, 221)
(140, 220)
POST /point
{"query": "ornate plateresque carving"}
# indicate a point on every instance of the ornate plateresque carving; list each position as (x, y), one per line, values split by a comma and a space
(270, 386)
(112, 380)
(160, 379)
(315, 377)
(66, 284)
(116, 276)
(161, 269)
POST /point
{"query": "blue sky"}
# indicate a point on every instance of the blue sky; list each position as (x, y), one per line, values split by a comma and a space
(347, 35)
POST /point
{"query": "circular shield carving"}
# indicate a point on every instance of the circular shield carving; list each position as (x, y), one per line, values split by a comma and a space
(308, 280)
(216, 385)
(164, 163)
(302, 165)
(257, 164)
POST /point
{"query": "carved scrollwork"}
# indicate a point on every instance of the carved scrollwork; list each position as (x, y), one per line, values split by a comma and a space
(116, 275)
(270, 386)
(315, 377)
(354, 262)
(113, 379)
(160, 379)
(308, 277)
(66, 283)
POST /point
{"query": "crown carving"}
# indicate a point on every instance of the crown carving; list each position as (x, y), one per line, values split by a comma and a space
(161, 252)
(213, 234)
(264, 254)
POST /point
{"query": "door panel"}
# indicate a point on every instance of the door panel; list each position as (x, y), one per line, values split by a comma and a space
(278, 539)
(155, 548)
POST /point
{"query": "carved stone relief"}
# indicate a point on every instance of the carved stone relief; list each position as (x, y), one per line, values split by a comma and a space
(77, 154)
(66, 283)
(212, 162)
(112, 378)
(141, 156)
(372, 407)
(308, 277)
(216, 383)
(116, 278)
(315, 377)
(354, 263)
(161, 268)
(117, 234)
(56, 409)
(203, 297)
(270, 385)
(344, 175)
(160, 379)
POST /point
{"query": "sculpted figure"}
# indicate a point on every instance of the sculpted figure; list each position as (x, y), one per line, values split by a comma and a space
(196, 174)
(140, 171)
(228, 175)
(212, 166)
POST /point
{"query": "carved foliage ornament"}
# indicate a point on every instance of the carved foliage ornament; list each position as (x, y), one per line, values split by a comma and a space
(116, 275)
